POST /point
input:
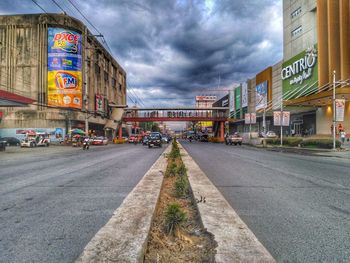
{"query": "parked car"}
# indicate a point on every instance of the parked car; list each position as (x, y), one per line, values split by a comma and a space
(155, 139)
(271, 134)
(11, 141)
(234, 139)
(100, 140)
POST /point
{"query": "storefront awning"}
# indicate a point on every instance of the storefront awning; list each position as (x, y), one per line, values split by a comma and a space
(9, 99)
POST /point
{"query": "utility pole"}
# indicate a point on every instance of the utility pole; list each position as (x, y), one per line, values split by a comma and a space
(281, 121)
(334, 116)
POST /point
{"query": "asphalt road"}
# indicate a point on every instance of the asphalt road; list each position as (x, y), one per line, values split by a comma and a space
(298, 206)
(54, 200)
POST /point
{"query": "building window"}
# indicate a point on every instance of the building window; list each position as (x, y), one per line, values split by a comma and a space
(296, 12)
(106, 76)
(297, 31)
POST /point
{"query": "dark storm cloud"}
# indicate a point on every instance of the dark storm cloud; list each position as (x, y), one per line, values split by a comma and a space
(178, 48)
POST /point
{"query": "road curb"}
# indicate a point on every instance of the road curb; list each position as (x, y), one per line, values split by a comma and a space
(236, 242)
(124, 237)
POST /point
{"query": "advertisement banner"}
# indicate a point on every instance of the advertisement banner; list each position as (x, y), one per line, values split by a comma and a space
(64, 67)
(261, 96)
(238, 98)
(244, 95)
(99, 104)
(277, 118)
(339, 109)
(300, 74)
(253, 118)
(247, 118)
(232, 102)
(285, 118)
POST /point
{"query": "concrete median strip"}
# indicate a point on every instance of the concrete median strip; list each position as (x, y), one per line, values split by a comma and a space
(124, 237)
(236, 242)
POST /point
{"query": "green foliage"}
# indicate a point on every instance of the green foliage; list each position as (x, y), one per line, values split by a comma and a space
(174, 218)
(171, 169)
(181, 169)
(181, 186)
(175, 151)
(323, 143)
(320, 143)
(287, 141)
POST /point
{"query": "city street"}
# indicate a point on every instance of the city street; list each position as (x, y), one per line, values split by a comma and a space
(54, 200)
(297, 206)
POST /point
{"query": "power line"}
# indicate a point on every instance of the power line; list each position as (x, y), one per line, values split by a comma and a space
(58, 6)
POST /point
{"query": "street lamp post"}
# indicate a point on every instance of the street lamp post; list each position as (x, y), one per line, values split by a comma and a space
(281, 122)
(334, 116)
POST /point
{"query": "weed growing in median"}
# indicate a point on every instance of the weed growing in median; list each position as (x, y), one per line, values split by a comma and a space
(181, 169)
(171, 169)
(174, 218)
(181, 186)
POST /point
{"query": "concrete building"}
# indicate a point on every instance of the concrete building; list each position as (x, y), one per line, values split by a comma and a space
(316, 44)
(55, 60)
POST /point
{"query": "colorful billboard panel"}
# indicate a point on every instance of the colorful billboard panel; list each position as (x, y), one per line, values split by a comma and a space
(261, 96)
(300, 75)
(244, 95)
(64, 68)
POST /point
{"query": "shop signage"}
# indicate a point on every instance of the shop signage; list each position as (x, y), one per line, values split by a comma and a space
(244, 95)
(224, 103)
(238, 98)
(277, 118)
(250, 118)
(99, 104)
(261, 96)
(339, 109)
(299, 74)
(1, 114)
(232, 101)
(64, 66)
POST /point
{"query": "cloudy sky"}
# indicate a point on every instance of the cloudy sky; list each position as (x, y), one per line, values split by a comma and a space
(173, 50)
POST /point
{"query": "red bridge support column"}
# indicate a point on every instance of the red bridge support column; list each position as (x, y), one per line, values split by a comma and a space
(222, 131)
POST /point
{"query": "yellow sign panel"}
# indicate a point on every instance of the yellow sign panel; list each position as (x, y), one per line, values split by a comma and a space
(64, 88)
(206, 123)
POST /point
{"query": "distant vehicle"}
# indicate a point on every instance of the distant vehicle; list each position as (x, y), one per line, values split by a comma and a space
(33, 139)
(11, 141)
(271, 134)
(234, 139)
(100, 140)
(165, 139)
(204, 138)
(132, 139)
(155, 139)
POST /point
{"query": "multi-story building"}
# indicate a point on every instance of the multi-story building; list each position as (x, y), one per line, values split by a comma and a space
(316, 52)
(205, 102)
(55, 60)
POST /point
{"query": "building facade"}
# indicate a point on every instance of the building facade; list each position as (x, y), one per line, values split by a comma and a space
(55, 60)
(316, 36)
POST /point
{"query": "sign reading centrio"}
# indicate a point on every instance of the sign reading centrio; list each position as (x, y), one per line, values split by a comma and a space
(300, 75)
(64, 68)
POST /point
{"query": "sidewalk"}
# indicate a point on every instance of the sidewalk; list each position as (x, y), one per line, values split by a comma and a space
(343, 152)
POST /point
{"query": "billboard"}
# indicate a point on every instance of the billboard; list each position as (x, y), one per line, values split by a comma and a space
(261, 96)
(300, 75)
(244, 95)
(64, 66)
(232, 101)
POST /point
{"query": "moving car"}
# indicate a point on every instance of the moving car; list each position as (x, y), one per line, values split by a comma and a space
(234, 139)
(11, 141)
(100, 140)
(155, 139)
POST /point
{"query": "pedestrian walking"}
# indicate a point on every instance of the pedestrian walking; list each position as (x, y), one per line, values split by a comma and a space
(342, 136)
